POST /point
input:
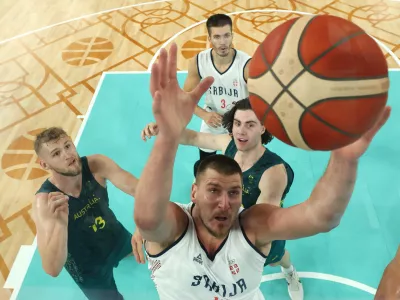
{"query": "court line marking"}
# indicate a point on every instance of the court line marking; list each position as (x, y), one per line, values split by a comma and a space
(396, 59)
(81, 17)
(22, 262)
(327, 277)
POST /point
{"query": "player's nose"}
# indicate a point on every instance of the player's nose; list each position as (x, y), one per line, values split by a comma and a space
(224, 201)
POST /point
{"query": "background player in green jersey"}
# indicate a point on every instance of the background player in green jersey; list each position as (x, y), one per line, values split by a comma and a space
(76, 228)
(267, 178)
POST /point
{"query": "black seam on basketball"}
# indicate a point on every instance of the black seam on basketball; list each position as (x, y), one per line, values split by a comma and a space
(307, 110)
(284, 89)
(333, 99)
(347, 98)
(279, 52)
(356, 136)
(282, 125)
(338, 43)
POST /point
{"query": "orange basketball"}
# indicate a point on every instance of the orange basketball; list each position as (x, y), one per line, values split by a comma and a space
(318, 82)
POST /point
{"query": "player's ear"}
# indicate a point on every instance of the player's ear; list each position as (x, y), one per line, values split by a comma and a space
(194, 192)
(43, 164)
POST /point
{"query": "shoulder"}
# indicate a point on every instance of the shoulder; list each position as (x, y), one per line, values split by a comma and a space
(230, 146)
(193, 66)
(185, 207)
(274, 176)
(38, 202)
(250, 220)
(243, 55)
(99, 164)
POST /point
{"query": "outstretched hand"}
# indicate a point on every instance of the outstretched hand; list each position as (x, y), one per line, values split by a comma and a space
(355, 150)
(173, 108)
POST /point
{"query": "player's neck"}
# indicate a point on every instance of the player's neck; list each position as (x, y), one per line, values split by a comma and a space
(210, 242)
(220, 61)
(247, 159)
(70, 185)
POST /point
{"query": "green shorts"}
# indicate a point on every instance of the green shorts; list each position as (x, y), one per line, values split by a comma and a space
(276, 253)
(100, 285)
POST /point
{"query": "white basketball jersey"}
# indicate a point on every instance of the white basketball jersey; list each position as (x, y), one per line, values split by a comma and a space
(229, 86)
(184, 271)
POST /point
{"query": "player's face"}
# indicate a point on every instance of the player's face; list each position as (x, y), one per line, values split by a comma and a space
(246, 130)
(61, 157)
(218, 198)
(221, 39)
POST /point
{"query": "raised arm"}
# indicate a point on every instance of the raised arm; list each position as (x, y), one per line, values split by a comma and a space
(109, 170)
(217, 142)
(50, 214)
(326, 205)
(158, 219)
(389, 286)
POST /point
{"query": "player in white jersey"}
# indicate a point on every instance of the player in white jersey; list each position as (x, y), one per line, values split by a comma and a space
(229, 67)
(212, 251)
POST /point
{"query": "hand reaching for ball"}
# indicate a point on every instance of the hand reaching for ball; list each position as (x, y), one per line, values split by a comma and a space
(355, 150)
(173, 108)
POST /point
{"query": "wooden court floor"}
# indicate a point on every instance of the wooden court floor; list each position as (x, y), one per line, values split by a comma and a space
(50, 67)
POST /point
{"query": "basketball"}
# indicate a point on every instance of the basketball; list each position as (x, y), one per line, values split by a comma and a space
(318, 82)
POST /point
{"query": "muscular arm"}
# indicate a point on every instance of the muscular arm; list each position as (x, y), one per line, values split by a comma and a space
(192, 80)
(272, 185)
(217, 142)
(389, 286)
(108, 169)
(52, 237)
(320, 213)
(158, 219)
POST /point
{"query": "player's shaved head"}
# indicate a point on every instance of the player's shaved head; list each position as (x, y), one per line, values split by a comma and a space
(220, 163)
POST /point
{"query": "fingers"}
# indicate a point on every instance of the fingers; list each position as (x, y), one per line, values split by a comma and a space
(137, 248)
(57, 202)
(143, 135)
(163, 68)
(154, 79)
(215, 120)
(382, 119)
(157, 103)
(62, 208)
(201, 88)
(172, 62)
(150, 130)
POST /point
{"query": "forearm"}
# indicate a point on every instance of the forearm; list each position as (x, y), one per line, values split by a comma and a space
(332, 193)
(187, 137)
(126, 182)
(200, 112)
(54, 247)
(154, 187)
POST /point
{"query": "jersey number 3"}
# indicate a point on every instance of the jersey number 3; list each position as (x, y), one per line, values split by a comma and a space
(223, 105)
